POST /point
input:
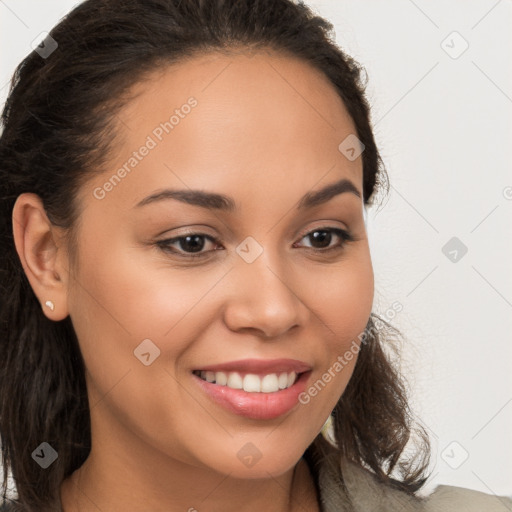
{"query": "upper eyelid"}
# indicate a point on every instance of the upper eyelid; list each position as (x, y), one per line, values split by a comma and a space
(199, 230)
(302, 234)
(217, 240)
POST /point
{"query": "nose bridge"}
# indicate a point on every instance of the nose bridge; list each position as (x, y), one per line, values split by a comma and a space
(263, 297)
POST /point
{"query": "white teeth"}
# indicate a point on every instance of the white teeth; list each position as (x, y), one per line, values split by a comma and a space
(235, 381)
(251, 383)
(221, 378)
(283, 381)
(270, 383)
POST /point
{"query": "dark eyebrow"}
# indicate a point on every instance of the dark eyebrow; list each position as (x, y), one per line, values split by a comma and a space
(326, 193)
(208, 200)
(214, 201)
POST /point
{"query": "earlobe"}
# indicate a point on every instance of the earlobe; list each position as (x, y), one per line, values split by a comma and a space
(40, 254)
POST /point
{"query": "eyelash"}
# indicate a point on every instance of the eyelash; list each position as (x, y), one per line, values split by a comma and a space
(345, 237)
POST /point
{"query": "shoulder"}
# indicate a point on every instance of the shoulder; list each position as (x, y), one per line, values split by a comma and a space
(345, 486)
(448, 498)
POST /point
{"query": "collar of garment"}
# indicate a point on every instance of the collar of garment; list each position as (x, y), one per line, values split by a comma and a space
(360, 491)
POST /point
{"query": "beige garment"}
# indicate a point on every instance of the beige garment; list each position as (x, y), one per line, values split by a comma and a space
(364, 493)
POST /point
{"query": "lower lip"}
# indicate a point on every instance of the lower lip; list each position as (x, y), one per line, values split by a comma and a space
(258, 406)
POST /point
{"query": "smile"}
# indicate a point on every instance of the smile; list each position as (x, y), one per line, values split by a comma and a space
(250, 382)
(257, 397)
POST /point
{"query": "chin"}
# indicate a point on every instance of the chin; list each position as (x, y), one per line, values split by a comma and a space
(255, 461)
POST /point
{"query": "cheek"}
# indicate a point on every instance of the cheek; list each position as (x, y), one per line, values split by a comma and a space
(342, 297)
(127, 290)
(123, 297)
(342, 303)
(116, 304)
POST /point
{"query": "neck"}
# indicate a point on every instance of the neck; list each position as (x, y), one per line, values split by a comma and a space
(113, 485)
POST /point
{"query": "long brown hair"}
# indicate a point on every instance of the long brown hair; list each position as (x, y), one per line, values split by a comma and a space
(58, 128)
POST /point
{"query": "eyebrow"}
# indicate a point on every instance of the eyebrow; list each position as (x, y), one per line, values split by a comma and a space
(215, 201)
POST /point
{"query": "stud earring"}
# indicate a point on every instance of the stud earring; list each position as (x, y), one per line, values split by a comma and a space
(50, 304)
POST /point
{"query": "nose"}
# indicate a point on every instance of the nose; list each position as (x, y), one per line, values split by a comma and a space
(263, 300)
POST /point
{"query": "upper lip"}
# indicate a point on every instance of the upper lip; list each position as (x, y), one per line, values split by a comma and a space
(259, 366)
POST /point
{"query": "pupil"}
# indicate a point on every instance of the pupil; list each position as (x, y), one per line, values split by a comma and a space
(194, 246)
(324, 236)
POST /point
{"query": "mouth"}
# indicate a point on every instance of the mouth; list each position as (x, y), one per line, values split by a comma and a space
(257, 396)
(250, 382)
(260, 389)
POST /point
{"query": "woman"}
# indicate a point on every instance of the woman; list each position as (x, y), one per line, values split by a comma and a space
(187, 282)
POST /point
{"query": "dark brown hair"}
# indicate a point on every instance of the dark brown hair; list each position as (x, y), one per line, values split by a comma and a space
(59, 127)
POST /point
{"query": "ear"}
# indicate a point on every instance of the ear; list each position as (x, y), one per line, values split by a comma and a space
(42, 253)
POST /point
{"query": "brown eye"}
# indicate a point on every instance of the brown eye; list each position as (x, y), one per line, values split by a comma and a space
(190, 245)
(321, 238)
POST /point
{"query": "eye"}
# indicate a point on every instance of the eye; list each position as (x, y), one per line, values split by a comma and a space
(191, 245)
(323, 237)
(191, 241)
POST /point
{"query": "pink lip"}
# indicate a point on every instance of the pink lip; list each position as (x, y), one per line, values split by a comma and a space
(259, 406)
(259, 366)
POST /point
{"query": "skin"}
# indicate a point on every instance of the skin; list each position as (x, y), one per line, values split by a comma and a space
(265, 131)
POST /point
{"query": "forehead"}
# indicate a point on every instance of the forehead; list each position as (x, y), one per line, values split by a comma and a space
(246, 123)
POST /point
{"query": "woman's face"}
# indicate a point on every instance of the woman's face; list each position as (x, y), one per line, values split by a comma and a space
(272, 278)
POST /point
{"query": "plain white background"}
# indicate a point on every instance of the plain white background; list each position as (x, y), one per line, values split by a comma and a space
(440, 88)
